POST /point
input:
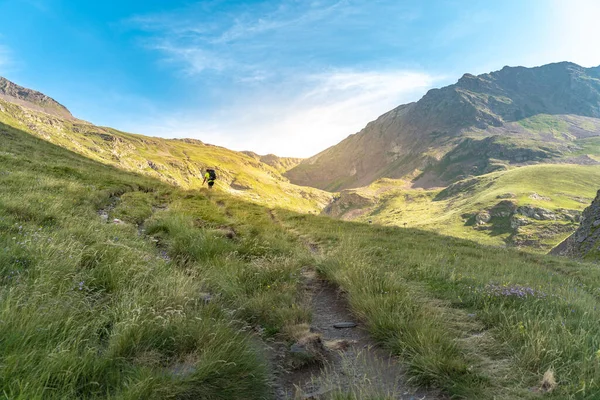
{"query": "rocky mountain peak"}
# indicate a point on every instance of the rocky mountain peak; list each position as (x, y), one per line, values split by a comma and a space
(31, 99)
(426, 139)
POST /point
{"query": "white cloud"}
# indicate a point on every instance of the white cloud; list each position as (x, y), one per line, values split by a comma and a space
(575, 31)
(194, 59)
(317, 111)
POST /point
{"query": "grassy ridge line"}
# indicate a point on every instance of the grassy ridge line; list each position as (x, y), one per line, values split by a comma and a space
(92, 310)
(177, 162)
(479, 322)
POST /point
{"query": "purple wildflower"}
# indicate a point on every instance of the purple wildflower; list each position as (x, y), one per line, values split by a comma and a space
(517, 291)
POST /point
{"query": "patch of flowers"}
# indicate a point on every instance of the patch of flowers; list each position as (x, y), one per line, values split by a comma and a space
(517, 291)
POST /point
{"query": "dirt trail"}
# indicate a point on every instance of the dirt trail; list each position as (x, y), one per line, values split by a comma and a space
(354, 364)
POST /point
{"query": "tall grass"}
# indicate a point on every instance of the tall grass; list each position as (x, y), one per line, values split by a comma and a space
(477, 321)
(95, 310)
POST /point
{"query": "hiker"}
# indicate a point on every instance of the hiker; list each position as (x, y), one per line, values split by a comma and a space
(210, 176)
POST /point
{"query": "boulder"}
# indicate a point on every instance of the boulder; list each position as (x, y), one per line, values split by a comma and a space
(503, 209)
(483, 217)
(516, 222)
(538, 213)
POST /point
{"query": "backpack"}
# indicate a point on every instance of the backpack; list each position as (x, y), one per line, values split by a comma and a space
(211, 174)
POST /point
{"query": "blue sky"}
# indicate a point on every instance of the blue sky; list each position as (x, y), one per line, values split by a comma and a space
(289, 77)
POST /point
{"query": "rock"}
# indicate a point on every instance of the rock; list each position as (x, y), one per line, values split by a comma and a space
(117, 221)
(309, 349)
(584, 242)
(506, 196)
(342, 325)
(503, 209)
(183, 369)
(538, 213)
(516, 222)
(536, 196)
(569, 215)
(206, 297)
(483, 217)
(298, 348)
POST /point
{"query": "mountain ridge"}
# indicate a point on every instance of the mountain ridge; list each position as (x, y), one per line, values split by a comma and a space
(411, 139)
(32, 99)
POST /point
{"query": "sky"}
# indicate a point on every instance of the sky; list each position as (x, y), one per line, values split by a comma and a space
(289, 77)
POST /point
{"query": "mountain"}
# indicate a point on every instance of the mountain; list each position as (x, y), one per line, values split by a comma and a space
(178, 161)
(481, 124)
(584, 243)
(281, 164)
(31, 99)
(116, 285)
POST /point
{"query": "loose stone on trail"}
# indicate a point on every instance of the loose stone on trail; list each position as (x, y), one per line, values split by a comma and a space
(342, 325)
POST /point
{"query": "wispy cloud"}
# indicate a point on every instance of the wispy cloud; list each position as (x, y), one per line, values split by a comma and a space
(204, 37)
(329, 106)
(275, 66)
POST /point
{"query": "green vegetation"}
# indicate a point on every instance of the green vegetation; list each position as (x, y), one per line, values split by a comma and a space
(95, 309)
(479, 322)
(546, 123)
(172, 302)
(563, 189)
(176, 162)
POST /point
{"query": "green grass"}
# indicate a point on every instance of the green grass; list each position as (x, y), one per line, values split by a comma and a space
(173, 302)
(429, 299)
(546, 123)
(99, 310)
(176, 162)
(452, 211)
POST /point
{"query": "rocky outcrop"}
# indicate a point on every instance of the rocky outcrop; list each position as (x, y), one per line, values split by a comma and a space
(584, 243)
(347, 201)
(32, 99)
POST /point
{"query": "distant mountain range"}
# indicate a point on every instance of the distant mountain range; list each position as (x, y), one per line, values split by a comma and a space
(481, 124)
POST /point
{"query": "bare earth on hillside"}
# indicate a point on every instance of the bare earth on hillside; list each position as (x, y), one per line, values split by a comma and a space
(354, 364)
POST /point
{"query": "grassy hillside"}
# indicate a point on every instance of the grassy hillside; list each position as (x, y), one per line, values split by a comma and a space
(497, 209)
(157, 305)
(173, 299)
(480, 322)
(177, 162)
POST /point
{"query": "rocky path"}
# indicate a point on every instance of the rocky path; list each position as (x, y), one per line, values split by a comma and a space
(351, 363)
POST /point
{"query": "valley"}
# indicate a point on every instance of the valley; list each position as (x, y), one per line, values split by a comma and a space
(122, 277)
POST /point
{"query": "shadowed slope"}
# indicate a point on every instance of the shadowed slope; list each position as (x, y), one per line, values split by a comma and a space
(480, 124)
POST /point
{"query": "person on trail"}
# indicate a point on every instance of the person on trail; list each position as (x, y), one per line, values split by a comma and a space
(210, 176)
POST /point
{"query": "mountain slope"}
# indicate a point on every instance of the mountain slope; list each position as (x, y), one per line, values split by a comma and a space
(32, 99)
(174, 300)
(478, 125)
(281, 164)
(177, 162)
(584, 242)
(532, 207)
